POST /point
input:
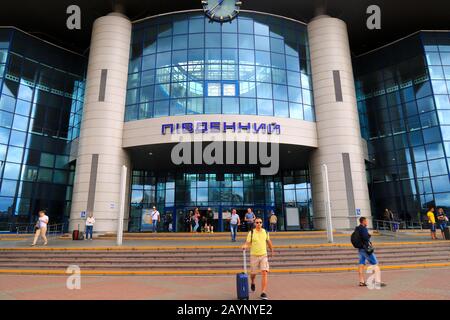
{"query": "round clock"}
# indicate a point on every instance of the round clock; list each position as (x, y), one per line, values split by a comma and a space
(221, 10)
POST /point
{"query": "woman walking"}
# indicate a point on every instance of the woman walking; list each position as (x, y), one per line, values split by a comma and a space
(41, 228)
(196, 220)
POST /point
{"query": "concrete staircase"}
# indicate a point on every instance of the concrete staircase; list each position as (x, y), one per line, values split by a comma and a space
(215, 260)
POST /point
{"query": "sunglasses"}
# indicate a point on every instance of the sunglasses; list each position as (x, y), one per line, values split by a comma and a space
(258, 222)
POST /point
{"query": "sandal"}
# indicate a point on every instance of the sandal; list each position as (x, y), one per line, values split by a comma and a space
(362, 284)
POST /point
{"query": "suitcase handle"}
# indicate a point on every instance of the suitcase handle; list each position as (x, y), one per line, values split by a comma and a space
(245, 261)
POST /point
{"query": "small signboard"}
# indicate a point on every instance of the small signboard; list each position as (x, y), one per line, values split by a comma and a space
(358, 212)
(83, 214)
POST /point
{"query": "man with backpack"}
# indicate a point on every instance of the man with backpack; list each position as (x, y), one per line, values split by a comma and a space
(360, 239)
(258, 240)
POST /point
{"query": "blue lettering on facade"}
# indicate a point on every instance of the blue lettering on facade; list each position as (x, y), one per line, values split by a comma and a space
(216, 127)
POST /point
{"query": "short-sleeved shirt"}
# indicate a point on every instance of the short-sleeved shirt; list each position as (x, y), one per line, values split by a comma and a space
(43, 221)
(234, 219)
(250, 216)
(258, 242)
(155, 215)
(431, 218)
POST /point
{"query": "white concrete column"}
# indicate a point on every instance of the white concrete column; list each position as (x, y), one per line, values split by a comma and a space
(97, 187)
(338, 126)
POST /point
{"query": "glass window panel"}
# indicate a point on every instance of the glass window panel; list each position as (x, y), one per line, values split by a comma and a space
(279, 76)
(262, 58)
(247, 89)
(213, 72)
(8, 188)
(179, 57)
(164, 30)
(276, 45)
(281, 109)
(229, 89)
(180, 42)
(438, 167)
(436, 72)
(23, 107)
(293, 78)
(295, 94)
(264, 90)
(447, 72)
(214, 89)
(196, 40)
(14, 154)
(263, 74)
(17, 138)
(444, 118)
(262, 43)
(196, 56)
(161, 108)
(265, 107)
(230, 56)
(441, 184)
(230, 105)
(439, 87)
(229, 40)
(248, 106)
(246, 56)
(278, 60)
(432, 135)
(442, 101)
(178, 90)
(261, 28)
(20, 123)
(178, 107)
(195, 89)
(164, 44)
(147, 93)
(7, 103)
(246, 41)
(445, 58)
(279, 92)
(433, 58)
(195, 106)
(162, 91)
(293, 63)
(296, 111)
(247, 73)
(212, 105)
(3, 149)
(212, 40)
(163, 59)
(196, 25)
(11, 171)
(180, 27)
(308, 112)
(6, 119)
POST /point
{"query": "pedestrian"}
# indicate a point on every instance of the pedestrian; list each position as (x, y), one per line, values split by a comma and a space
(442, 220)
(432, 222)
(258, 239)
(156, 218)
(90, 225)
(188, 221)
(235, 221)
(249, 219)
(209, 221)
(41, 228)
(196, 220)
(273, 220)
(365, 253)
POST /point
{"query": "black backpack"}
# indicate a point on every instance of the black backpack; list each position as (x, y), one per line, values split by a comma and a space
(356, 240)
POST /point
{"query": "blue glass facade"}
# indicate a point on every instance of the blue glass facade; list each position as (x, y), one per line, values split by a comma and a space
(41, 98)
(403, 100)
(185, 64)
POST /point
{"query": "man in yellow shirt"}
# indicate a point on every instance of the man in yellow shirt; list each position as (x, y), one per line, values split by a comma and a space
(432, 222)
(257, 240)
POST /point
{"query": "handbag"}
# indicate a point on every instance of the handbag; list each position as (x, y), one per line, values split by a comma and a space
(369, 248)
(36, 226)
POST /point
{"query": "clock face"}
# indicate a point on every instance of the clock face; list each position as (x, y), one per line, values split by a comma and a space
(221, 10)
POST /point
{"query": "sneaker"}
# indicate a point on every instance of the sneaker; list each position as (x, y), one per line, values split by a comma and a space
(90, 239)
(253, 287)
(263, 296)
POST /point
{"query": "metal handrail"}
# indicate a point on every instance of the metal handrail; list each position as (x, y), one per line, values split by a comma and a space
(394, 225)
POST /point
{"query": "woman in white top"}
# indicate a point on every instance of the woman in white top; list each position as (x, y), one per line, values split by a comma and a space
(41, 228)
(235, 221)
(89, 225)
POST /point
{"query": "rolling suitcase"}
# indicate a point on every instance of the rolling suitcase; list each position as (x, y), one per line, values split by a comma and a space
(242, 282)
(75, 234)
(447, 233)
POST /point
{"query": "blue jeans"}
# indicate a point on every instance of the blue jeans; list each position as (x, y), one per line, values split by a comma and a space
(89, 230)
(155, 225)
(233, 228)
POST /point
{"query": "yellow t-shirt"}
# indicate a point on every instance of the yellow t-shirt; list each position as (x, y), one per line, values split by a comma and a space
(431, 218)
(258, 243)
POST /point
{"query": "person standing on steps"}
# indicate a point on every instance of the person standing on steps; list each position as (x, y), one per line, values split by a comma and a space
(432, 222)
(89, 225)
(442, 220)
(258, 239)
(41, 228)
(235, 221)
(156, 217)
(250, 219)
(273, 220)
